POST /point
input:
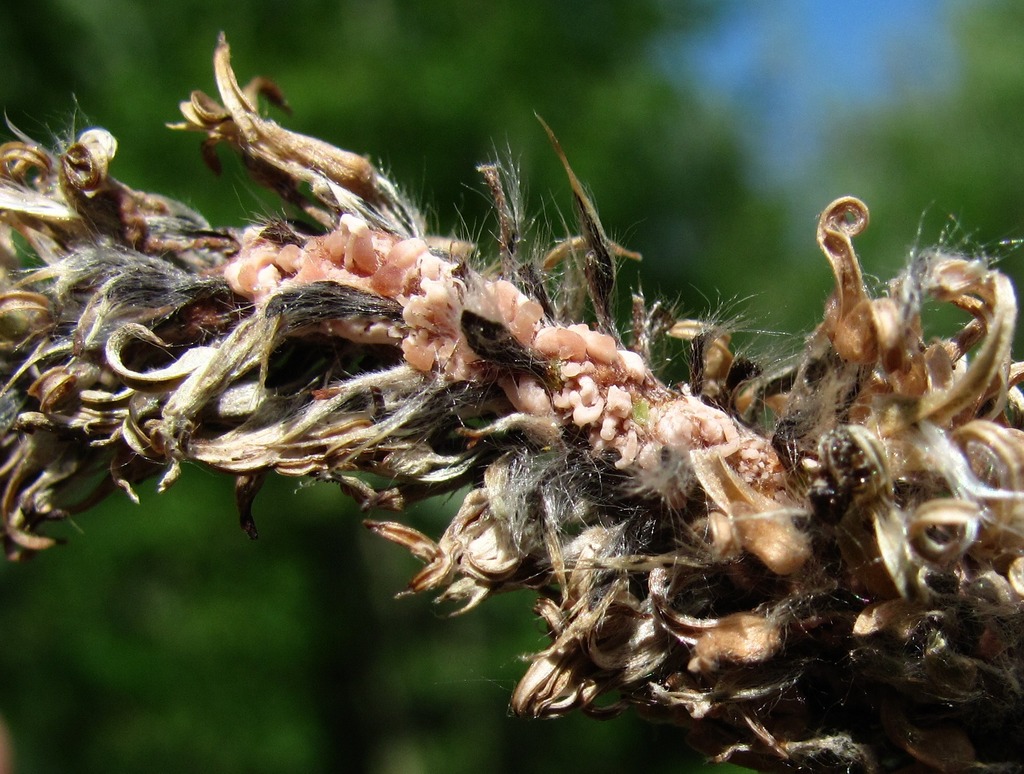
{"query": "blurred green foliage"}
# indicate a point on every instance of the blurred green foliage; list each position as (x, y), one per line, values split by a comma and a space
(160, 639)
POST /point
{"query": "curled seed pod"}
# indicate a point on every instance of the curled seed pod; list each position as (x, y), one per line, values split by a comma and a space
(994, 456)
(26, 164)
(85, 163)
(942, 531)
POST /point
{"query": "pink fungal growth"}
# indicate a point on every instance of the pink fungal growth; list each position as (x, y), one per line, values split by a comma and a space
(595, 384)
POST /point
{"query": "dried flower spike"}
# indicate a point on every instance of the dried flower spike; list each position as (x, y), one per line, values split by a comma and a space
(837, 587)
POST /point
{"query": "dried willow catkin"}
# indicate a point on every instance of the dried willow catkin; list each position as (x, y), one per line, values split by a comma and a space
(817, 569)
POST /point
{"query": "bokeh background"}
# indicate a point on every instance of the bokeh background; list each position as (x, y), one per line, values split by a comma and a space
(159, 638)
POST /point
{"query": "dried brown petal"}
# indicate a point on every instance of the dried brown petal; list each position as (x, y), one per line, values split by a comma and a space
(744, 638)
